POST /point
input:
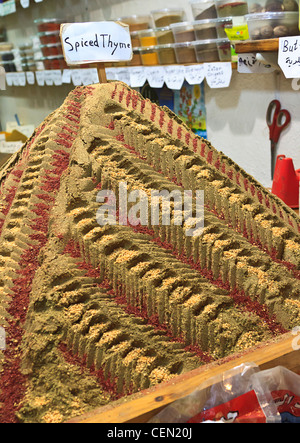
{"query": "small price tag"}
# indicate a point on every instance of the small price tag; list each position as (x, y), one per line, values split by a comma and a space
(76, 77)
(30, 78)
(174, 76)
(194, 74)
(40, 78)
(2, 79)
(155, 76)
(248, 64)
(137, 76)
(218, 75)
(24, 3)
(67, 76)
(289, 56)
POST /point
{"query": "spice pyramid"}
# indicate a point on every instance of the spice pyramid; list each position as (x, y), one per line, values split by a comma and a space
(94, 313)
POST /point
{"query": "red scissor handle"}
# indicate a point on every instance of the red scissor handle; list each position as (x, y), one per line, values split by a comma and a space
(277, 119)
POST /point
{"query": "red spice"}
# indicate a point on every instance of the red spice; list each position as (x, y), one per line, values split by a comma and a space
(179, 133)
(217, 164)
(128, 98)
(203, 148)
(143, 104)
(153, 112)
(195, 145)
(187, 138)
(170, 127)
(161, 118)
(252, 190)
(209, 157)
(246, 184)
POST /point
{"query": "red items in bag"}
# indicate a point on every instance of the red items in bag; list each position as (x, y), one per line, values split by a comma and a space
(242, 409)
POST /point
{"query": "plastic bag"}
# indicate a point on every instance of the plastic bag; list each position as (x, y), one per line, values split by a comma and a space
(284, 386)
(236, 396)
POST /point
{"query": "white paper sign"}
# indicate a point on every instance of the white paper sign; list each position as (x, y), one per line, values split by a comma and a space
(2, 79)
(174, 76)
(155, 76)
(194, 74)
(40, 77)
(30, 78)
(289, 56)
(137, 76)
(218, 75)
(96, 42)
(248, 64)
(10, 147)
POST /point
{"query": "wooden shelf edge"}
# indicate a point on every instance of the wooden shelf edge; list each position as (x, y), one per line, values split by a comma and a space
(269, 45)
(140, 407)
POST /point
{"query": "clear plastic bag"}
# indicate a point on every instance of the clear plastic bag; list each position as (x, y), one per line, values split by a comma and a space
(284, 386)
(236, 396)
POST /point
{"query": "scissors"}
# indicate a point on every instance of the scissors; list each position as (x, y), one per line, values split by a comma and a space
(277, 120)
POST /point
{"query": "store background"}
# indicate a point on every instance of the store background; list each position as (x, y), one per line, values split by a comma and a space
(236, 116)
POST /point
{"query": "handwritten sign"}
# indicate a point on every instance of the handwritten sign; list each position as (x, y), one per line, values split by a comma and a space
(249, 64)
(289, 56)
(96, 42)
(218, 75)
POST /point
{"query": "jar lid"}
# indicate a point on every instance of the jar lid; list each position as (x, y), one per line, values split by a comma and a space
(51, 45)
(49, 20)
(45, 34)
(181, 25)
(158, 11)
(273, 15)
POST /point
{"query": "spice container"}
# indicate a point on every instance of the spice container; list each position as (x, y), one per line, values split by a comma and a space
(167, 16)
(52, 49)
(205, 29)
(231, 8)
(136, 57)
(137, 22)
(54, 62)
(203, 9)
(257, 6)
(224, 49)
(149, 55)
(9, 66)
(272, 25)
(185, 52)
(222, 24)
(47, 38)
(164, 35)
(166, 54)
(147, 38)
(183, 32)
(48, 25)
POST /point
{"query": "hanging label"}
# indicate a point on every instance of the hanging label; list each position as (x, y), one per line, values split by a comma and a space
(174, 76)
(155, 76)
(289, 56)
(218, 75)
(194, 74)
(248, 64)
(2, 79)
(96, 42)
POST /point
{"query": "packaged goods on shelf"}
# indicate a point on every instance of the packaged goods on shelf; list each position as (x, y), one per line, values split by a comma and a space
(272, 25)
(166, 54)
(49, 25)
(185, 52)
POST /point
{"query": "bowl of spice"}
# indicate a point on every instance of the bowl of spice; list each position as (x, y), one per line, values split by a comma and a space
(167, 16)
(231, 8)
(203, 9)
